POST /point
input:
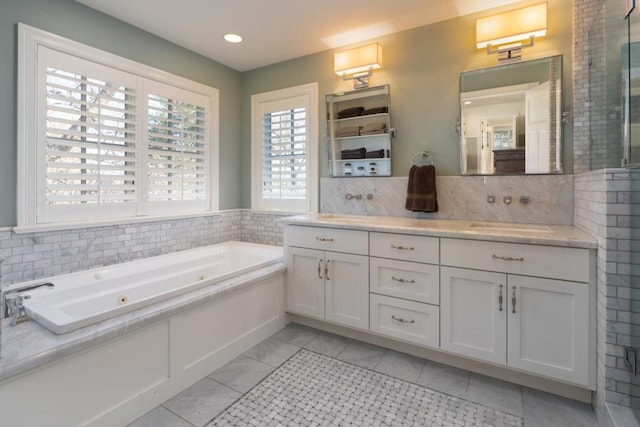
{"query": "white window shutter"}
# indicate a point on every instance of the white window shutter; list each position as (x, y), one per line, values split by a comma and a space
(284, 139)
(177, 147)
(284, 154)
(90, 147)
(102, 139)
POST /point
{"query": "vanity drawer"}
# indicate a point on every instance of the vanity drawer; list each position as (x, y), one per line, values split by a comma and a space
(530, 260)
(407, 320)
(329, 239)
(404, 247)
(401, 279)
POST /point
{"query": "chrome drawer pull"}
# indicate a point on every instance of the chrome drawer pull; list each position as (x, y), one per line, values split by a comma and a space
(507, 258)
(401, 320)
(324, 239)
(500, 297)
(402, 280)
(403, 248)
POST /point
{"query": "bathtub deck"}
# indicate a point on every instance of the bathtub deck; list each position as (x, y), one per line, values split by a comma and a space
(29, 345)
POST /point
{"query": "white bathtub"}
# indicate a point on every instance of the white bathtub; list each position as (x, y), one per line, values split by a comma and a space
(83, 298)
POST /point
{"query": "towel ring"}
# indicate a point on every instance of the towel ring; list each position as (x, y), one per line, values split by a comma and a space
(424, 160)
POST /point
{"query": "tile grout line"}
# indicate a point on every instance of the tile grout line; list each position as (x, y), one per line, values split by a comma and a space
(169, 410)
(520, 417)
(386, 350)
(208, 423)
(424, 362)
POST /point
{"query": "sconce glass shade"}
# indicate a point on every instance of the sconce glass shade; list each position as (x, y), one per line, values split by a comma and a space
(358, 60)
(512, 27)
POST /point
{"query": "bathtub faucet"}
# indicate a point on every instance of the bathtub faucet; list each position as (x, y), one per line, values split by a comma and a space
(14, 303)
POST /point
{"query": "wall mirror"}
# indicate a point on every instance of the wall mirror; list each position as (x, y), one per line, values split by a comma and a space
(511, 118)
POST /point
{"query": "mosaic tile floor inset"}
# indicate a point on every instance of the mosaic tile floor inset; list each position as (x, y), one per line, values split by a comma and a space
(315, 390)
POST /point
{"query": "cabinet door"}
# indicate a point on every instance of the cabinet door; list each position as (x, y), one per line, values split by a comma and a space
(347, 289)
(548, 328)
(305, 281)
(473, 313)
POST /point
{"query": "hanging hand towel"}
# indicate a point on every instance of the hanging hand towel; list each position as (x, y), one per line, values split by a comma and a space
(421, 190)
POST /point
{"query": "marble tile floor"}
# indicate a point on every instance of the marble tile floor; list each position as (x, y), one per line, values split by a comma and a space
(202, 402)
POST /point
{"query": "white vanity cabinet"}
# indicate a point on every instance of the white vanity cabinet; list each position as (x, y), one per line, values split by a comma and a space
(328, 274)
(491, 310)
(524, 307)
(405, 287)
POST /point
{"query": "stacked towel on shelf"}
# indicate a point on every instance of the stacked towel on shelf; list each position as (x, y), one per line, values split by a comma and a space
(357, 153)
(348, 131)
(350, 112)
(376, 110)
(376, 154)
(421, 189)
(374, 129)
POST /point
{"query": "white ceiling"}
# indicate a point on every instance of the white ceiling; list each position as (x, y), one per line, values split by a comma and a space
(278, 30)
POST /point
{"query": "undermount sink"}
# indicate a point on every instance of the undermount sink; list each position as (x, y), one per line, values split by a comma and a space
(530, 228)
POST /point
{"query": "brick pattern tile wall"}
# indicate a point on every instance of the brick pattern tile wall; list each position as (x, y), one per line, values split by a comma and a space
(36, 255)
(262, 227)
(603, 198)
(603, 208)
(588, 81)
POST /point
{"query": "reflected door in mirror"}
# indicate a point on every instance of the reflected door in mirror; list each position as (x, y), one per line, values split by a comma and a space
(510, 119)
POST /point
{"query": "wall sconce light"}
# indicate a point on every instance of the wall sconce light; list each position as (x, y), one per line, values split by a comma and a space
(507, 33)
(356, 64)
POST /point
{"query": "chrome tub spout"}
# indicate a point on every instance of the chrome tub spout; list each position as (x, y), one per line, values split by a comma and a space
(14, 302)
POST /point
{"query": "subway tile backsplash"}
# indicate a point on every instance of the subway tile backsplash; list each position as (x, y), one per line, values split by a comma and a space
(31, 256)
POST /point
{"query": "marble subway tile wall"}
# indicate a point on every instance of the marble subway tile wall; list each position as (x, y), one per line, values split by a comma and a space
(262, 227)
(603, 208)
(459, 197)
(31, 256)
(34, 255)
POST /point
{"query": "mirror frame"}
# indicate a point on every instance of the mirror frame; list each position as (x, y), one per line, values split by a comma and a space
(514, 158)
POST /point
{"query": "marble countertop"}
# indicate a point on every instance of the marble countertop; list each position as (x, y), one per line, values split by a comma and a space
(29, 345)
(552, 235)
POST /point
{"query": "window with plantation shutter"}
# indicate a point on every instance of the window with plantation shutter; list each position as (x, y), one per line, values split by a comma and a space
(177, 147)
(284, 139)
(284, 154)
(90, 151)
(102, 138)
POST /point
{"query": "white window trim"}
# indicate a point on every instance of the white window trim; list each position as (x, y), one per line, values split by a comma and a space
(311, 91)
(29, 40)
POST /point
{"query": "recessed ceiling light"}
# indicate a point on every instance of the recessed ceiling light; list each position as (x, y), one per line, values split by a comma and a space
(233, 38)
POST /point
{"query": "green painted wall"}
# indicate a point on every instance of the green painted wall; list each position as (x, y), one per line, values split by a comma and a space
(77, 22)
(422, 66)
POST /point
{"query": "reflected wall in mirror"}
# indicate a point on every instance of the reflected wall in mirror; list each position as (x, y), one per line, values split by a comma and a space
(511, 118)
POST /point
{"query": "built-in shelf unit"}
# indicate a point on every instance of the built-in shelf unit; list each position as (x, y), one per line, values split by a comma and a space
(359, 133)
